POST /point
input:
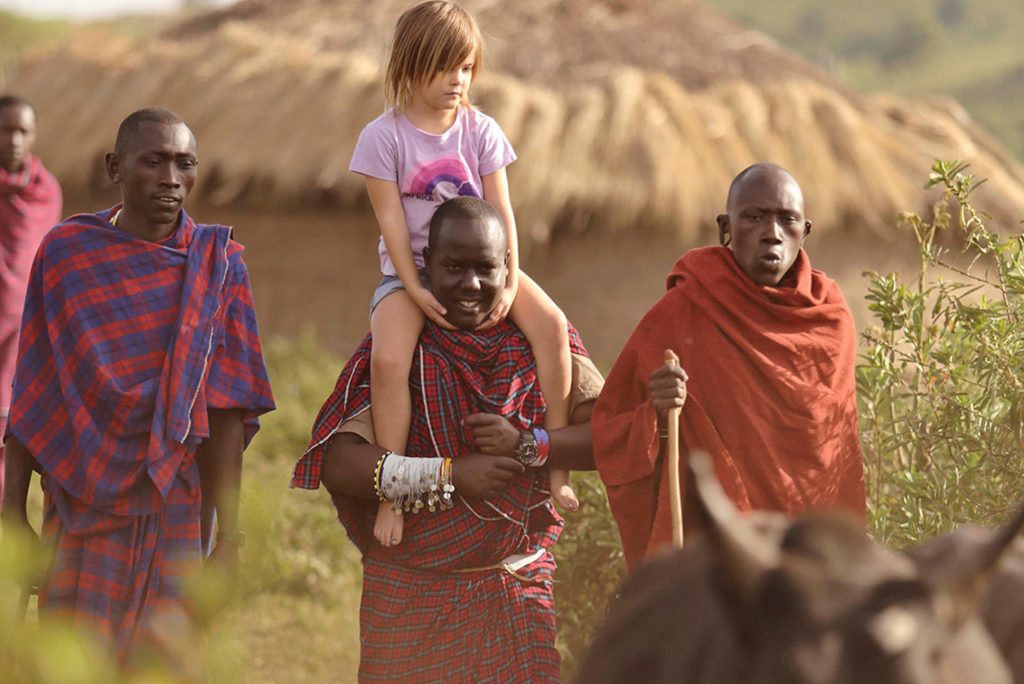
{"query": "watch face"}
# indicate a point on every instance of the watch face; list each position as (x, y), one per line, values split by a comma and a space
(526, 452)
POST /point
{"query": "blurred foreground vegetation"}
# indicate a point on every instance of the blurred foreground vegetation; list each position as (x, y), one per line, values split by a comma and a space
(941, 396)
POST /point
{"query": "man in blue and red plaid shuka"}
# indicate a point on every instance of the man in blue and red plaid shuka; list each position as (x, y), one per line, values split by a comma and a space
(138, 384)
(466, 594)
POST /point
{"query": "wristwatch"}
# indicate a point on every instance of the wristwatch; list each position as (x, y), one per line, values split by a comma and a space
(526, 450)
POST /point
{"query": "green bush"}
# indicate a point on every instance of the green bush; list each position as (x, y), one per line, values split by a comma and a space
(590, 568)
(942, 382)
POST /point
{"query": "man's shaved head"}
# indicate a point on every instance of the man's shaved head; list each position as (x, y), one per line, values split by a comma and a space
(467, 260)
(756, 172)
(128, 131)
(464, 209)
(155, 165)
(764, 223)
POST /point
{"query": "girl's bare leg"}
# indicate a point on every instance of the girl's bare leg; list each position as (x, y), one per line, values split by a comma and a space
(544, 325)
(396, 324)
(562, 491)
(388, 525)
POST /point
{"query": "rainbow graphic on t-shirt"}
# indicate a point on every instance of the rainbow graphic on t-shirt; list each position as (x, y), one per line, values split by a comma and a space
(440, 180)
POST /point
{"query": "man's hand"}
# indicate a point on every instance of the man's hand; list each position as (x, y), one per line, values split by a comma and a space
(492, 434)
(219, 586)
(15, 523)
(219, 459)
(430, 307)
(14, 510)
(668, 389)
(16, 526)
(500, 310)
(224, 557)
(19, 536)
(479, 476)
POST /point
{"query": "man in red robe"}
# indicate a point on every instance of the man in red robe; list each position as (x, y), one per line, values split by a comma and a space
(765, 383)
(30, 204)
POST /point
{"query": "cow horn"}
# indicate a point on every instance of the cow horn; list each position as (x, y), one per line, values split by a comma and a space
(745, 554)
(965, 579)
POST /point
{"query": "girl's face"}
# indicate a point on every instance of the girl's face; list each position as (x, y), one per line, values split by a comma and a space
(447, 89)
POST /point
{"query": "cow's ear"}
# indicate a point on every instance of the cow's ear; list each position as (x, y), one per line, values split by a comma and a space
(964, 569)
(745, 555)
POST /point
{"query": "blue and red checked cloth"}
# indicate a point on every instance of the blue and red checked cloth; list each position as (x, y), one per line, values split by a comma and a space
(125, 344)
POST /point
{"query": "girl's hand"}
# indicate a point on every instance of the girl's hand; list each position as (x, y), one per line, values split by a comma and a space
(431, 308)
(501, 308)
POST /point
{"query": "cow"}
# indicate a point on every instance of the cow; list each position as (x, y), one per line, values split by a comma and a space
(763, 599)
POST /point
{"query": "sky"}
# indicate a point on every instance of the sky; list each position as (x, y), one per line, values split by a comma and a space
(94, 9)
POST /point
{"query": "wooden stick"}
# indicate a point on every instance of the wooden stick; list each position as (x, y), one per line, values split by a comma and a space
(675, 496)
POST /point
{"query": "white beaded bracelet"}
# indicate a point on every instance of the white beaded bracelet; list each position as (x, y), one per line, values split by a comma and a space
(412, 484)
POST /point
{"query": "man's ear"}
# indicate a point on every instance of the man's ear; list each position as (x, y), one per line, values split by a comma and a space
(113, 165)
(724, 234)
(807, 228)
(426, 257)
(508, 255)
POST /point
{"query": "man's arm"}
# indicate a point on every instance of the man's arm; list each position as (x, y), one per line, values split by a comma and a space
(220, 473)
(572, 447)
(350, 463)
(18, 474)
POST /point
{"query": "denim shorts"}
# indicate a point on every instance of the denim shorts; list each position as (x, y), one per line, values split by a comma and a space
(390, 284)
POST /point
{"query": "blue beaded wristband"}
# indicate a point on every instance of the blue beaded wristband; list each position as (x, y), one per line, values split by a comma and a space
(543, 447)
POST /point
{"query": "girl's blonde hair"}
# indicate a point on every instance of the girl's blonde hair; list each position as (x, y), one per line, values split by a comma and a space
(431, 37)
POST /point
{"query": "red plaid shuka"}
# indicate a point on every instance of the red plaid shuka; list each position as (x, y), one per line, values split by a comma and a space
(124, 346)
(30, 204)
(420, 621)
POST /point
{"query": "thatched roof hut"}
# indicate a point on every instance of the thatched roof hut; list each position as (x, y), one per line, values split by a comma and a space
(625, 114)
(629, 116)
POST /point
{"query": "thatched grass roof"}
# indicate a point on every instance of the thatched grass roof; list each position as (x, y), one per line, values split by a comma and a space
(277, 93)
(556, 43)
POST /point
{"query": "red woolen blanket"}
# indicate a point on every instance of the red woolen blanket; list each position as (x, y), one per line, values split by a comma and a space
(30, 204)
(771, 396)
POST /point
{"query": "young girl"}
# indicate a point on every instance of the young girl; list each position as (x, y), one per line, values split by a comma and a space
(431, 145)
